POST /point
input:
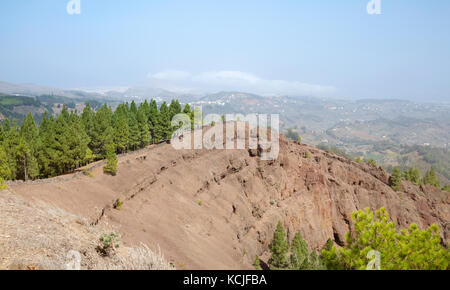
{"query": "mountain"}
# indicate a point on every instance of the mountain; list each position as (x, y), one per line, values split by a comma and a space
(32, 90)
(218, 209)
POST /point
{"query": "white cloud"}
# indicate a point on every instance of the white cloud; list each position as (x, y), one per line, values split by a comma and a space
(171, 75)
(213, 81)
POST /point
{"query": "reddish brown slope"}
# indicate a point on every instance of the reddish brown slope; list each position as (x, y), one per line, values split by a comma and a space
(242, 198)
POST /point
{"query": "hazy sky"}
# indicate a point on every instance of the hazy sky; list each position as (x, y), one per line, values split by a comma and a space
(321, 48)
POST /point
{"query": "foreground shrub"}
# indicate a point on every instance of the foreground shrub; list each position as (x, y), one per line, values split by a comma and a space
(108, 244)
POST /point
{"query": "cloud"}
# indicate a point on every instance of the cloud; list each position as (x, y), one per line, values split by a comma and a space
(171, 75)
(213, 81)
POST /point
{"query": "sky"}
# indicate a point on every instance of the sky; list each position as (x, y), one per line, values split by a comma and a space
(328, 48)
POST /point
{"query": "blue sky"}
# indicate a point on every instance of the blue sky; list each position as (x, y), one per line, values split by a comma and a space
(321, 48)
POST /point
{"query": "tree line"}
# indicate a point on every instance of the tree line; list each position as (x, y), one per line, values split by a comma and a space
(413, 175)
(61, 144)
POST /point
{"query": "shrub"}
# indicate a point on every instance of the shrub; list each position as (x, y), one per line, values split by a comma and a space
(2, 184)
(257, 263)
(108, 244)
(118, 204)
(372, 162)
(88, 173)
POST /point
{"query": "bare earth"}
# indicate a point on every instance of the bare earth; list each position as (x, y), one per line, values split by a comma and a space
(216, 209)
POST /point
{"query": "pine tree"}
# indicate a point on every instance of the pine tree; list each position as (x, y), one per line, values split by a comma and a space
(153, 122)
(89, 156)
(396, 180)
(299, 254)
(49, 155)
(279, 248)
(102, 132)
(430, 178)
(316, 262)
(413, 175)
(28, 148)
(121, 129)
(174, 108)
(111, 161)
(5, 171)
(135, 138)
(165, 124)
(144, 130)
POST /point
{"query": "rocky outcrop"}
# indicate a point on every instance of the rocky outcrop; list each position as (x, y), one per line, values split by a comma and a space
(217, 209)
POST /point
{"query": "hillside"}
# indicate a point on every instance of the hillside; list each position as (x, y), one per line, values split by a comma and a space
(217, 209)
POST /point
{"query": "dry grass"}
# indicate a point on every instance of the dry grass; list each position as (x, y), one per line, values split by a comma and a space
(37, 236)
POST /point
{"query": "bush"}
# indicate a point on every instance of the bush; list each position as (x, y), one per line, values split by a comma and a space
(88, 172)
(108, 244)
(257, 263)
(118, 204)
(2, 184)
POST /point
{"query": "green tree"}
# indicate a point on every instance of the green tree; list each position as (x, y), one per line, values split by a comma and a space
(89, 157)
(299, 253)
(257, 263)
(121, 129)
(279, 248)
(446, 188)
(111, 160)
(430, 178)
(315, 262)
(27, 148)
(395, 180)
(144, 130)
(409, 249)
(5, 171)
(413, 175)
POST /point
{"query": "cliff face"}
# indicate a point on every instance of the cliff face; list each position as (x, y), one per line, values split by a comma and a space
(218, 209)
